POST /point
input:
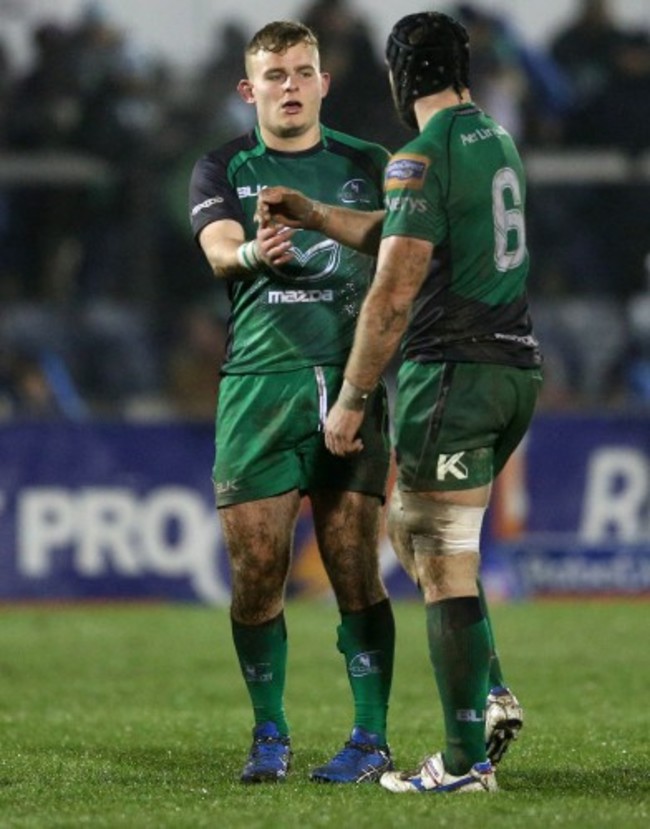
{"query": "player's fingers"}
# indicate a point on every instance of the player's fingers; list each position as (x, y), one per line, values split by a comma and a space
(266, 197)
(342, 447)
(275, 244)
(354, 447)
(262, 214)
(273, 234)
(273, 195)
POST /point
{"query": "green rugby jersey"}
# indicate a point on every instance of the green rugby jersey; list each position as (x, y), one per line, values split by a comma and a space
(460, 185)
(304, 313)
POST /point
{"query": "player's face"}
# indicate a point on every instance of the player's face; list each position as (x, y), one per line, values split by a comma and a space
(287, 89)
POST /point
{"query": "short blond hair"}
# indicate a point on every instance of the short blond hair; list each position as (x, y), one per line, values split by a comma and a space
(280, 36)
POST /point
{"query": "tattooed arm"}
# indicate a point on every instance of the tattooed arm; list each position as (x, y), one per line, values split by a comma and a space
(401, 269)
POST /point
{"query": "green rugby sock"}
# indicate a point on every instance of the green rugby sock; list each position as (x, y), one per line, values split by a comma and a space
(262, 653)
(496, 672)
(366, 639)
(459, 648)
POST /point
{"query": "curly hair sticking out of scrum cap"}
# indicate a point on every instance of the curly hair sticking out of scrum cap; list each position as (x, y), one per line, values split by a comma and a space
(426, 53)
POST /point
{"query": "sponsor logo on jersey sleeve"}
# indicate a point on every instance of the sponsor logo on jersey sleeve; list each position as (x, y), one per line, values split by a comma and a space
(204, 205)
(405, 204)
(406, 171)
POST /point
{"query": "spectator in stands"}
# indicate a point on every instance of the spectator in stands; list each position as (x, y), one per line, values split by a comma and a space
(637, 362)
(43, 112)
(618, 115)
(612, 66)
(359, 98)
(499, 85)
(196, 355)
(78, 252)
(218, 108)
(24, 389)
(619, 118)
(37, 385)
(97, 48)
(115, 261)
(5, 88)
(585, 49)
(516, 83)
(44, 107)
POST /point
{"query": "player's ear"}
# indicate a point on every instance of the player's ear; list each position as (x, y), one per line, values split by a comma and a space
(325, 83)
(245, 89)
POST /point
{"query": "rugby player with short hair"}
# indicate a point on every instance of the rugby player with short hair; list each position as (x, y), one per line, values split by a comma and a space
(450, 286)
(290, 332)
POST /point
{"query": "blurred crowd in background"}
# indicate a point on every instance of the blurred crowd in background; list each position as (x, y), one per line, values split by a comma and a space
(107, 307)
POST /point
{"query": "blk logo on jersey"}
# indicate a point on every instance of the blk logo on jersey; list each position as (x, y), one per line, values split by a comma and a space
(450, 465)
(248, 192)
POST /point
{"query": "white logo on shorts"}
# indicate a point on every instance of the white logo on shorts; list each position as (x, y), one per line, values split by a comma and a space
(450, 464)
(222, 487)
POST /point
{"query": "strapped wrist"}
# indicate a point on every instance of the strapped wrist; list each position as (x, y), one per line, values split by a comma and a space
(248, 255)
(318, 215)
(352, 398)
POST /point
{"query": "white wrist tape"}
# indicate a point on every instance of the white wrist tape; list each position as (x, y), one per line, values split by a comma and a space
(352, 398)
(318, 216)
(248, 255)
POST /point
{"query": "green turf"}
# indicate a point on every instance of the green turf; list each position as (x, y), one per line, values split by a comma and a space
(130, 716)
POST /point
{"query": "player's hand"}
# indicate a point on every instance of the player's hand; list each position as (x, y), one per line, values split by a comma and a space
(287, 207)
(274, 243)
(341, 430)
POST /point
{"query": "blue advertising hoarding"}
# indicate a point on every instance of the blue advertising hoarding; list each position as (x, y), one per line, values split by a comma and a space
(125, 511)
(586, 523)
(116, 510)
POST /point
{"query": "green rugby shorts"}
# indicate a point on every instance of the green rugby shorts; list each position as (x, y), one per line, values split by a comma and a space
(269, 437)
(456, 424)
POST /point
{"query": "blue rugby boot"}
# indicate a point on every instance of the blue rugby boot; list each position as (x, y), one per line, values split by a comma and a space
(269, 758)
(363, 759)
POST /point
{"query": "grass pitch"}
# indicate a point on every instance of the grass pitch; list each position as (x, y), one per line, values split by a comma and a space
(136, 716)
